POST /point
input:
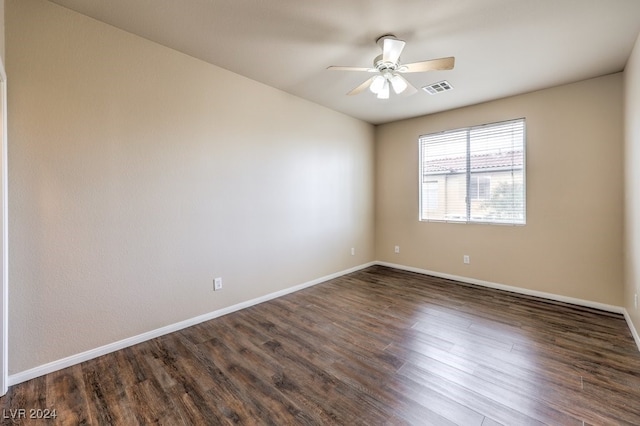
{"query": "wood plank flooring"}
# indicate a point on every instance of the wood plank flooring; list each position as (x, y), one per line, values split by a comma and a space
(375, 347)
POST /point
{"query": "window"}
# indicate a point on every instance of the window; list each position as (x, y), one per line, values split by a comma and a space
(474, 174)
(480, 188)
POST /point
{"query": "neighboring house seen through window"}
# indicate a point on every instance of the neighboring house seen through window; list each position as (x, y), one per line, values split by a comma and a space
(474, 174)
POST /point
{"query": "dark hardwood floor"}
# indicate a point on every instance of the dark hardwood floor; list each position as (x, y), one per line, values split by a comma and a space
(378, 346)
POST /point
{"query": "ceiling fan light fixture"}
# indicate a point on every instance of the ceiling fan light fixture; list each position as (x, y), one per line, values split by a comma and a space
(399, 84)
(377, 84)
(384, 92)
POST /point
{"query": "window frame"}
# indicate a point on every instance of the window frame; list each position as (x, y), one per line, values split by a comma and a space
(469, 219)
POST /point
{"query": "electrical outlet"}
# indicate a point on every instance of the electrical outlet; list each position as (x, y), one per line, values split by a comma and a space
(396, 249)
(353, 251)
(635, 300)
(217, 284)
(466, 259)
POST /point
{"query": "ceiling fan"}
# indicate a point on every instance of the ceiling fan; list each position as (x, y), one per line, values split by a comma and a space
(389, 70)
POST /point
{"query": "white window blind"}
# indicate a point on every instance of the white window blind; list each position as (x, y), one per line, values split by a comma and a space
(474, 174)
(431, 193)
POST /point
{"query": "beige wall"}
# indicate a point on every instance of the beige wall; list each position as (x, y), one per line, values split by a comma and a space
(2, 30)
(572, 242)
(138, 174)
(632, 181)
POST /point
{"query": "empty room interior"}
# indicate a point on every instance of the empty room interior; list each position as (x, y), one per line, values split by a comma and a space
(363, 212)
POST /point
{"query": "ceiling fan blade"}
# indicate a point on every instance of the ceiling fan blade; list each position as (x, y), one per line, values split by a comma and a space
(391, 49)
(338, 68)
(431, 65)
(364, 86)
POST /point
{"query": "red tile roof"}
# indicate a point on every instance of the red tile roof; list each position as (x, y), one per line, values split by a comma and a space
(479, 162)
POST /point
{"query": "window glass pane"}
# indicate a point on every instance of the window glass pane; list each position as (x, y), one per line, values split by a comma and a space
(444, 160)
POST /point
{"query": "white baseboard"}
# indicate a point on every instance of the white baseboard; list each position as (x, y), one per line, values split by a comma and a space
(541, 294)
(50, 367)
(634, 332)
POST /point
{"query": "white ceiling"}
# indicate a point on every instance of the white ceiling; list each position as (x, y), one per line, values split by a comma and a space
(502, 47)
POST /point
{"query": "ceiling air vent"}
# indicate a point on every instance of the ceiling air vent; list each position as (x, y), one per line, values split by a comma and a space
(439, 87)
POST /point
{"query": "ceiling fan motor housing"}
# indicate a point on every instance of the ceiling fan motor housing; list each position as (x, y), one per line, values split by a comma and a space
(380, 40)
(382, 66)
